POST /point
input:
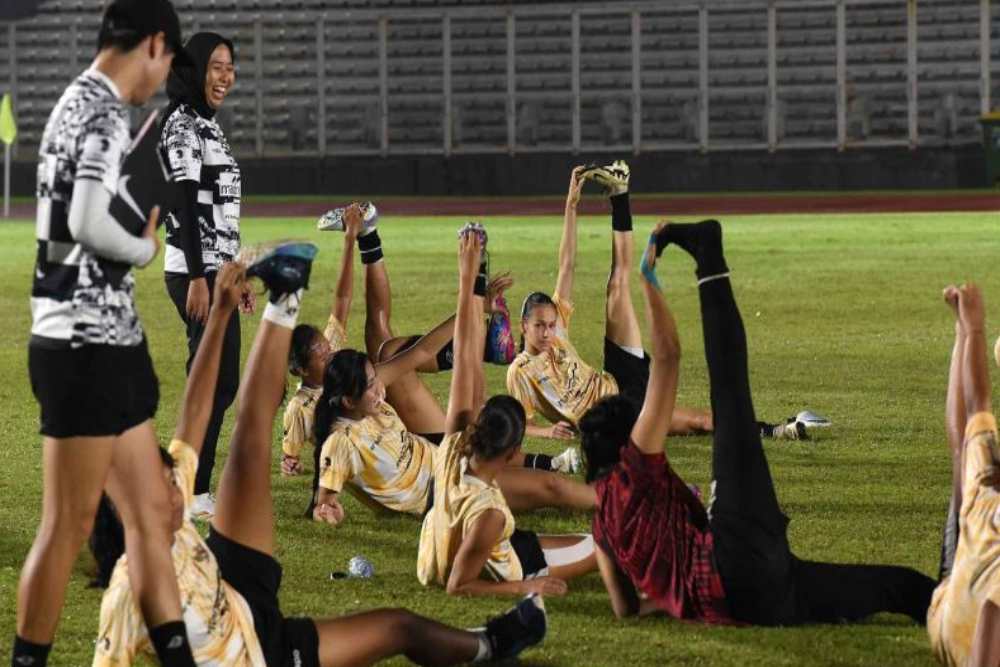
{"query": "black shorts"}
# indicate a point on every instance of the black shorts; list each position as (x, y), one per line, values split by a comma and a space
(630, 372)
(93, 390)
(529, 551)
(286, 642)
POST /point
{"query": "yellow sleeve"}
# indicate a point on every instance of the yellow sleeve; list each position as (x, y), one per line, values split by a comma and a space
(337, 463)
(564, 311)
(335, 333)
(185, 467)
(122, 633)
(519, 386)
(296, 429)
(981, 454)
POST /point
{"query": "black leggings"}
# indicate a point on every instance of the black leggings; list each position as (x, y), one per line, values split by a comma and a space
(765, 583)
(229, 370)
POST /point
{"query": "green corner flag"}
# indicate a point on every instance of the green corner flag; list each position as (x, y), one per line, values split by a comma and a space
(8, 126)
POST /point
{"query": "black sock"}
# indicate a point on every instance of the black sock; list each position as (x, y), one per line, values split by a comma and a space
(29, 654)
(370, 246)
(446, 356)
(766, 430)
(621, 213)
(171, 643)
(702, 240)
(479, 288)
(538, 461)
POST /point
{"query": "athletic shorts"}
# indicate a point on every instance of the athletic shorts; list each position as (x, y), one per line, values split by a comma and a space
(93, 390)
(529, 551)
(630, 372)
(286, 642)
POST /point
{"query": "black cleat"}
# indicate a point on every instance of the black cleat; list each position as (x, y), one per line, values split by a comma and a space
(519, 628)
(283, 266)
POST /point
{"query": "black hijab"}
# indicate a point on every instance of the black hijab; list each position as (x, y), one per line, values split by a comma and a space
(186, 84)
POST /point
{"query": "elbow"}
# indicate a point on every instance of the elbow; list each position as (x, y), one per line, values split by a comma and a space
(668, 352)
(456, 588)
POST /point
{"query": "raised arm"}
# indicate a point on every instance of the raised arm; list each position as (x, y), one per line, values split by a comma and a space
(975, 373)
(567, 247)
(468, 346)
(344, 291)
(196, 407)
(653, 423)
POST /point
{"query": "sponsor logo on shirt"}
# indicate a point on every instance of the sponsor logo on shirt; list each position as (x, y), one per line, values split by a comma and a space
(229, 185)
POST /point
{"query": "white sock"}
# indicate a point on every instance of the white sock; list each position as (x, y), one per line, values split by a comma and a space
(285, 313)
(485, 651)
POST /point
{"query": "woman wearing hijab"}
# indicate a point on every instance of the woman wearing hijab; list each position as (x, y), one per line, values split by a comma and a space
(203, 229)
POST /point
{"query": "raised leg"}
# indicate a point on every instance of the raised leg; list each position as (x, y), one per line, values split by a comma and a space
(955, 427)
(622, 325)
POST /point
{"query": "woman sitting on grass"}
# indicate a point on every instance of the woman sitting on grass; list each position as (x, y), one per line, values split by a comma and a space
(469, 530)
(229, 582)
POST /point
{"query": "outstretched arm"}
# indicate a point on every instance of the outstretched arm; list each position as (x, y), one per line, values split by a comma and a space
(653, 424)
(199, 392)
(344, 292)
(468, 345)
(567, 247)
(975, 373)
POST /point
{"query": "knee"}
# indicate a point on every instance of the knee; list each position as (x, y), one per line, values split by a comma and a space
(618, 282)
(402, 621)
(69, 526)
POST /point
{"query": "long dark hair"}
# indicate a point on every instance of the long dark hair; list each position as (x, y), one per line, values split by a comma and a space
(604, 429)
(531, 302)
(345, 376)
(498, 429)
(107, 539)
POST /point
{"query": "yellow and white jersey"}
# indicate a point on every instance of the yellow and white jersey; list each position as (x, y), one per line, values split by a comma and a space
(558, 383)
(379, 458)
(460, 499)
(975, 575)
(218, 619)
(301, 409)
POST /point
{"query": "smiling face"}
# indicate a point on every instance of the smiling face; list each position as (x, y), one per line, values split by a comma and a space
(220, 75)
(539, 329)
(371, 400)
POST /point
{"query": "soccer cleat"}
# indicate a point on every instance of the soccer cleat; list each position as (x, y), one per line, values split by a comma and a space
(500, 347)
(793, 430)
(810, 419)
(333, 220)
(203, 506)
(568, 462)
(613, 178)
(474, 228)
(283, 266)
(516, 630)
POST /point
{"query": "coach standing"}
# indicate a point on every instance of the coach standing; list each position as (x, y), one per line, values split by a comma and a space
(203, 230)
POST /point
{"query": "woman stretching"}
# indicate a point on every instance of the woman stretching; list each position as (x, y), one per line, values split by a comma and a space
(229, 582)
(469, 530)
(378, 423)
(658, 547)
(549, 378)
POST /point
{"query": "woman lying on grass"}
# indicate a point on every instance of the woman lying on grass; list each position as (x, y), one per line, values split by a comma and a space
(229, 582)
(378, 423)
(657, 547)
(469, 530)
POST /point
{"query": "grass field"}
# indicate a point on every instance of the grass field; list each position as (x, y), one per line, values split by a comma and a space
(843, 315)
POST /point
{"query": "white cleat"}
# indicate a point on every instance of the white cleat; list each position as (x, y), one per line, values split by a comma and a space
(568, 462)
(333, 220)
(203, 506)
(810, 419)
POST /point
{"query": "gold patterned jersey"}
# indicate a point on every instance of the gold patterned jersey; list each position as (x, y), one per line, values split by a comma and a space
(557, 383)
(459, 500)
(218, 619)
(301, 409)
(380, 459)
(975, 575)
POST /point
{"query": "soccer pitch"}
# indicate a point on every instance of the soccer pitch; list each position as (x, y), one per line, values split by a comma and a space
(843, 316)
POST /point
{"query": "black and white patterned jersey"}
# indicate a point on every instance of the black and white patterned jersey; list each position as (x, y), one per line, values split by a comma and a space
(78, 297)
(195, 149)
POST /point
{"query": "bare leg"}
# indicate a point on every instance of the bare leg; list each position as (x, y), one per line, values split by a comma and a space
(527, 489)
(573, 569)
(410, 397)
(378, 308)
(74, 472)
(366, 638)
(622, 326)
(136, 487)
(244, 511)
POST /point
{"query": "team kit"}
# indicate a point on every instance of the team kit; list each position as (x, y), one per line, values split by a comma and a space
(364, 420)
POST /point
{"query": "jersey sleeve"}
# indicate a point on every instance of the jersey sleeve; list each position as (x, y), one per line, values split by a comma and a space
(335, 334)
(182, 148)
(121, 633)
(519, 386)
(296, 429)
(101, 148)
(185, 467)
(981, 453)
(564, 312)
(337, 461)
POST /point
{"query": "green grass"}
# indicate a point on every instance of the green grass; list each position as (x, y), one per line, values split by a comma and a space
(843, 315)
